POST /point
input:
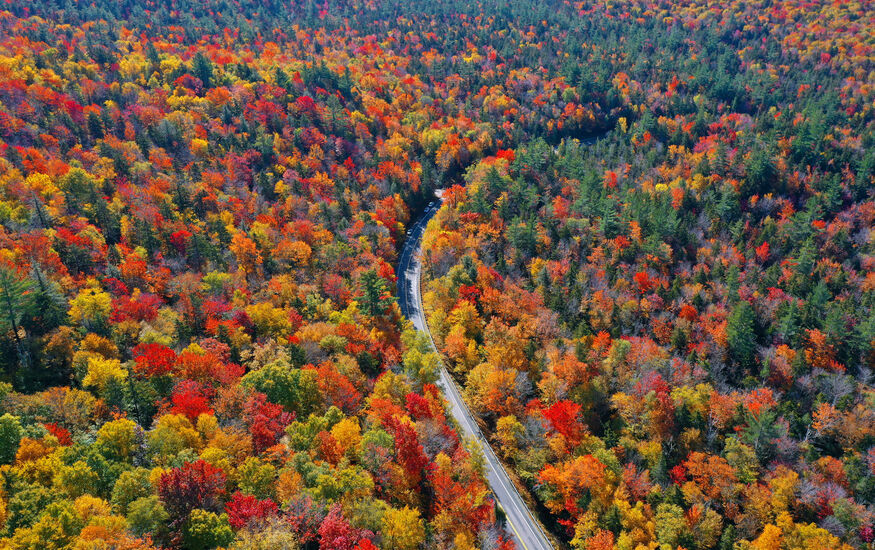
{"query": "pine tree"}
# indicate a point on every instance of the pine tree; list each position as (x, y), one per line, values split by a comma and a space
(45, 307)
(741, 336)
(13, 297)
(374, 293)
(202, 68)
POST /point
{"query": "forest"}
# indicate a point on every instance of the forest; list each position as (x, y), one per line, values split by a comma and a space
(652, 274)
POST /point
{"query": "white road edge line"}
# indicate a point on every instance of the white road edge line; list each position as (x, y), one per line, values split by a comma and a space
(514, 505)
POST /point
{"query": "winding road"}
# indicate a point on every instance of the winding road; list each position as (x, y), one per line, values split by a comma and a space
(526, 530)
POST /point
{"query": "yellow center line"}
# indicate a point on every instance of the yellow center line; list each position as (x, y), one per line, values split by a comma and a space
(517, 533)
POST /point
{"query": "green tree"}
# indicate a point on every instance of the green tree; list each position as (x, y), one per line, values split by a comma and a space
(375, 296)
(76, 480)
(57, 527)
(762, 173)
(147, 515)
(202, 68)
(27, 505)
(206, 530)
(761, 431)
(741, 336)
(294, 389)
(13, 299)
(257, 478)
(420, 363)
(670, 524)
(130, 486)
(742, 458)
(46, 307)
(11, 433)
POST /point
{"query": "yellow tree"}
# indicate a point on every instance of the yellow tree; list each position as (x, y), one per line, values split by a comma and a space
(402, 529)
(116, 439)
(509, 431)
(91, 308)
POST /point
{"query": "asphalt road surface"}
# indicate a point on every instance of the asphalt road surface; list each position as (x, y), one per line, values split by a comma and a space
(526, 530)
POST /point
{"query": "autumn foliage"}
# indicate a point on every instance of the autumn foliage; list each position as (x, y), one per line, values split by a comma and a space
(667, 331)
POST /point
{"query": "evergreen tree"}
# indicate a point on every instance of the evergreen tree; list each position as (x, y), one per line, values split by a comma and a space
(202, 68)
(375, 296)
(741, 337)
(13, 298)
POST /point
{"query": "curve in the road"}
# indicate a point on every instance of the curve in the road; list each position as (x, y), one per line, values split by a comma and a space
(527, 531)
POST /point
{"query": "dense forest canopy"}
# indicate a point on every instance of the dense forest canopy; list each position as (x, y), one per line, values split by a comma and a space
(653, 273)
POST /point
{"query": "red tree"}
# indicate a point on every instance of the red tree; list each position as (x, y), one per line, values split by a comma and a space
(408, 449)
(62, 434)
(189, 398)
(563, 416)
(153, 359)
(243, 509)
(266, 421)
(193, 485)
(336, 533)
(304, 517)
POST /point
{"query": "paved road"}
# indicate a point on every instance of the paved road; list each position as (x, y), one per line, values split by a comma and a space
(526, 530)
